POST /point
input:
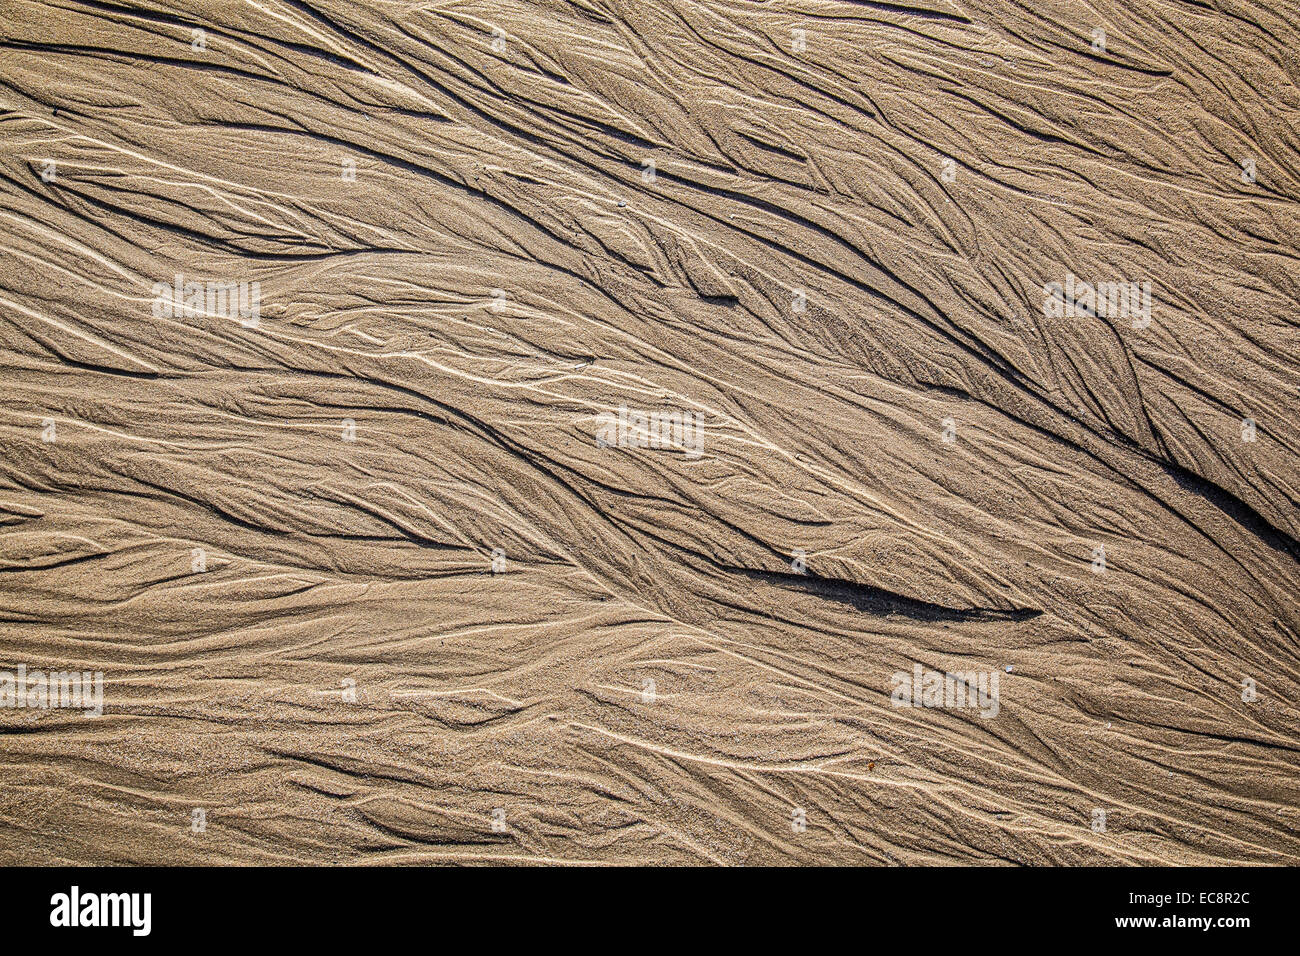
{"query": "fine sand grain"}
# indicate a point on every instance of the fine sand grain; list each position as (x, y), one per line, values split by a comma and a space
(582, 422)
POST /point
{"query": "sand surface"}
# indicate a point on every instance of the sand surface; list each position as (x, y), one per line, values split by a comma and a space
(387, 567)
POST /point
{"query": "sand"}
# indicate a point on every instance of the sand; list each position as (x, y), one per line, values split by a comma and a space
(564, 432)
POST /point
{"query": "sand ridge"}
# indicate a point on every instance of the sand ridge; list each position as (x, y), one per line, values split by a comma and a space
(596, 431)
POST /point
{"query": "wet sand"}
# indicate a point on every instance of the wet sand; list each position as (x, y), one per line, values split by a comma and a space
(596, 431)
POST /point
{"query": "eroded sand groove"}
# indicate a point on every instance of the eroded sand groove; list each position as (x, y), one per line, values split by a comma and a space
(589, 410)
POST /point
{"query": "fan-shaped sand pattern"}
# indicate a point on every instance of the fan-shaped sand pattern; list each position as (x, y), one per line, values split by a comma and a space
(370, 570)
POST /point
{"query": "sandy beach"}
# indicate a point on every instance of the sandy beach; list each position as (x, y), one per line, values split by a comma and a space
(689, 432)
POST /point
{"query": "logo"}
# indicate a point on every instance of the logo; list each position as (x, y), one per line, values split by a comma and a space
(76, 909)
(37, 690)
(1106, 300)
(661, 430)
(956, 690)
(225, 299)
